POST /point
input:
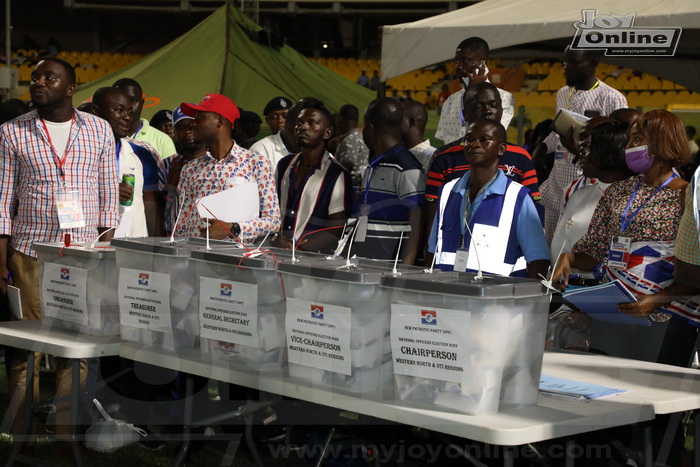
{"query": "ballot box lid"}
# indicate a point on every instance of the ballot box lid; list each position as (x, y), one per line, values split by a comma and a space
(466, 284)
(164, 246)
(100, 250)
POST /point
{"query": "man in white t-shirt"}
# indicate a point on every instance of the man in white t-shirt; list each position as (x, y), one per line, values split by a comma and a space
(141, 129)
(133, 157)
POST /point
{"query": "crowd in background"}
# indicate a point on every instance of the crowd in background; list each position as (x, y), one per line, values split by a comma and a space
(616, 199)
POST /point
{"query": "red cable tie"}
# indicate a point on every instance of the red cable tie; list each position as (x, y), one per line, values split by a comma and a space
(296, 247)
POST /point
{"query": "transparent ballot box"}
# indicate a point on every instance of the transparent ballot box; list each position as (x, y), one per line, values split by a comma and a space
(337, 323)
(467, 345)
(241, 308)
(157, 288)
(78, 287)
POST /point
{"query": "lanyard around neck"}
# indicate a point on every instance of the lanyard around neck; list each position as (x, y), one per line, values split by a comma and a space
(626, 215)
(137, 130)
(573, 90)
(369, 175)
(60, 162)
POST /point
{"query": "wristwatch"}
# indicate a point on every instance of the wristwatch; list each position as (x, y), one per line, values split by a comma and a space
(236, 229)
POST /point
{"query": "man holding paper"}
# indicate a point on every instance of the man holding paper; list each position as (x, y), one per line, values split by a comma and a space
(225, 166)
(584, 94)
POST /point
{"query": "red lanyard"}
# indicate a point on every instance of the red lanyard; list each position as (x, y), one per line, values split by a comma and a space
(59, 162)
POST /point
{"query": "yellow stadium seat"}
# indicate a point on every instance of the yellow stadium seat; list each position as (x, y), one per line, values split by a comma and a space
(645, 98)
(633, 99)
(24, 73)
(666, 84)
(81, 75)
(634, 83)
(654, 83)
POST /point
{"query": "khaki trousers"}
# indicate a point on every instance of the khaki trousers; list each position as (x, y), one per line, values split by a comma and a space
(25, 272)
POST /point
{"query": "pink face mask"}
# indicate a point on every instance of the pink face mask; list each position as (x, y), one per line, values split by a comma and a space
(638, 159)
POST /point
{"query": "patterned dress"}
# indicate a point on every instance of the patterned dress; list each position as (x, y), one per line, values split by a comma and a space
(656, 221)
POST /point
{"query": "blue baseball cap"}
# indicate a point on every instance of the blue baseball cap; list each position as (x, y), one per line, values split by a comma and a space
(179, 115)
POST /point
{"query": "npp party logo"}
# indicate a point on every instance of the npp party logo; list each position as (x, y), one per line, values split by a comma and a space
(226, 289)
(317, 311)
(143, 278)
(428, 317)
(65, 274)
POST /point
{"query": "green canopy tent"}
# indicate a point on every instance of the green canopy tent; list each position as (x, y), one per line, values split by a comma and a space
(221, 55)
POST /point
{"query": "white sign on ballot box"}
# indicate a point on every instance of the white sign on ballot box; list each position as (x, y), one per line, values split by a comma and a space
(228, 311)
(429, 342)
(318, 335)
(64, 293)
(144, 300)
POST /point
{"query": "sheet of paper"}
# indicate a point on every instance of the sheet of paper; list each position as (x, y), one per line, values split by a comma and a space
(15, 301)
(575, 389)
(236, 204)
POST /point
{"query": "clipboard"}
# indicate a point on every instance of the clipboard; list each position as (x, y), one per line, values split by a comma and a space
(600, 302)
(15, 300)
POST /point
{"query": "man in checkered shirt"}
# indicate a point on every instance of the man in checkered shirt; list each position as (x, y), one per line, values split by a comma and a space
(584, 94)
(54, 149)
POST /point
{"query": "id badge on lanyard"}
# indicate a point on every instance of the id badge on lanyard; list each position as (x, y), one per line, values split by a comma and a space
(365, 207)
(362, 221)
(560, 154)
(68, 208)
(461, 259)
(619, 253)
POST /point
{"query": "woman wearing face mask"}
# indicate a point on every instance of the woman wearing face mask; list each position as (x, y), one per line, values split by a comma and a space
(631, 238)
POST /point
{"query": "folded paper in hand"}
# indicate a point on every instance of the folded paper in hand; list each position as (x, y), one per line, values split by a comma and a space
(566, 119)
(236, 204)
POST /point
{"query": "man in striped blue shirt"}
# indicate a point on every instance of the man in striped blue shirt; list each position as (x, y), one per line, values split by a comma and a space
(392, 191)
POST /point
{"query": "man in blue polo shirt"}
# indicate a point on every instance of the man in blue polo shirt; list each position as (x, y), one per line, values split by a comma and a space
(392, 190)
(504, 227)
(480, 101)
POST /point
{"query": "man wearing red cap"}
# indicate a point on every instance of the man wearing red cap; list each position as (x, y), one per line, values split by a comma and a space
(218, 169)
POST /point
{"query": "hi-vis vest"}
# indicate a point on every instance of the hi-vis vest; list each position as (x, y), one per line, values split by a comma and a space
(494, 225)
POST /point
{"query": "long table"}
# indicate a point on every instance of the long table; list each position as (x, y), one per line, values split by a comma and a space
(36, 337)
(551, 418)
(669, 389)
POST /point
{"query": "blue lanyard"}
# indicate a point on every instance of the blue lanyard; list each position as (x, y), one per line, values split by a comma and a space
(137, 131)
(369, 175)
(626, 217)
(119, 150)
